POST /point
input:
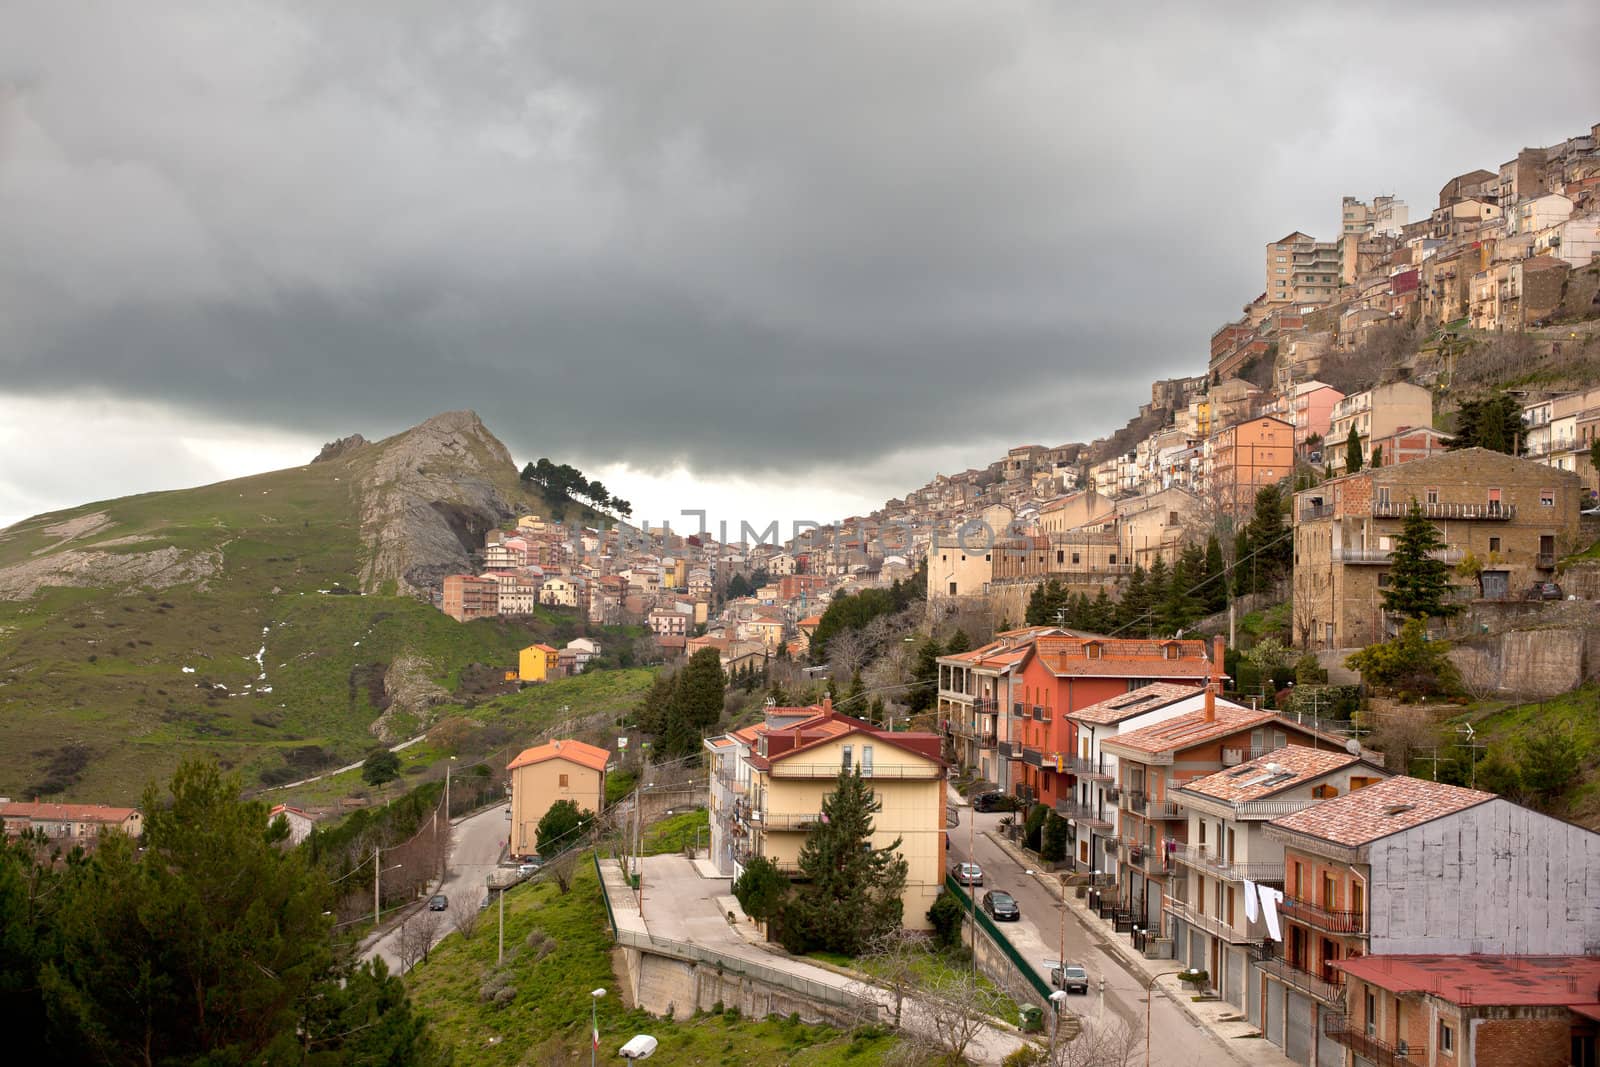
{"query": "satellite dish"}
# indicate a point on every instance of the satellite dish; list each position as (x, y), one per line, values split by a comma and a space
(1353, 747)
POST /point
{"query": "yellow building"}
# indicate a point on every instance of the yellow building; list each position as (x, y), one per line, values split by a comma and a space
(547, 773)
(538, 663)
(791, 768)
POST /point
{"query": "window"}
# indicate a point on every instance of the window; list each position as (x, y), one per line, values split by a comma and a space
(1330, 891)
(1547, 498)
(1075, 558)
(1061, 556)
(1358, 898)
(866, 760)
(1447, 1038)
(1113, 557)
(1433, 495)
(952, 588)
(563, 782)
(844, 757)
(1299, 881)
(1372, 1014)
(1494, 544)
(1383, 495)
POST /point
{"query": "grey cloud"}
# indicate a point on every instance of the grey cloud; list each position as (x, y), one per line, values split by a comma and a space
(735, 234)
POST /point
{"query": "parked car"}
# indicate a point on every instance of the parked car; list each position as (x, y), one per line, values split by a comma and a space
(529, 866)
(1544, 591)
(1002, 907)
(967, 874)
(438, 902)
(1070, 977)
(991, 801)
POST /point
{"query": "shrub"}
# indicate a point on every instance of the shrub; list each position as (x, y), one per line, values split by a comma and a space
(945, 915)
(1053, 839)
(1034, 826)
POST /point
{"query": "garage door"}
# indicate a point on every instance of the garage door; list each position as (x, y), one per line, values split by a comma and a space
(1329, 1052)
(1275, 1013)
(1252, 996)
(1299, 1028)
(1235, 986)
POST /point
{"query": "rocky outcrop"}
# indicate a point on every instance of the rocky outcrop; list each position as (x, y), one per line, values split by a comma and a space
(340, 448)
(410, 692)
(123, 571)
(427, 496)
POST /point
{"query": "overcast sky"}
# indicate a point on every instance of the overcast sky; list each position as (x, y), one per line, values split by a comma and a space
(774, 260)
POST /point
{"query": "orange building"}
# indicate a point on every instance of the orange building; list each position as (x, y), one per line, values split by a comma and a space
(1247, 456)
(1064, 674)
(468, 597)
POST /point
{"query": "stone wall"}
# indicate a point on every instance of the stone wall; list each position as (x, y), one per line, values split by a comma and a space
(674, 988)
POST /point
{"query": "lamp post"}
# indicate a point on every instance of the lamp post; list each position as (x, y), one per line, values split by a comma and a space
(377, 880)
(594, 1023)
(1149, 996)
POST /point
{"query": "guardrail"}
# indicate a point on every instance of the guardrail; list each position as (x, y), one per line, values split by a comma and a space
(819, 992)
(968, 906)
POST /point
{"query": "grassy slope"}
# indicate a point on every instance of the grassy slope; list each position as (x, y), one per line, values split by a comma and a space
(1574, 711)
(547, 1019)
(106, 668)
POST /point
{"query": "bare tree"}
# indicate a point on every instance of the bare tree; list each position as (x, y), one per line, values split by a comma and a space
(562, 868)
(417, 935)
(1107, 1040)
(896, 959)
(956, 1007)
(464, 916)
(847, 654)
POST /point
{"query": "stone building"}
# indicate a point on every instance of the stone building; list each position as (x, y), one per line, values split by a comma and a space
(1513, 516)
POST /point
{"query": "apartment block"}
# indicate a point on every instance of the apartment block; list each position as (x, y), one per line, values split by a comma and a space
(1376, 412)
(1515, 516)
(467, 597)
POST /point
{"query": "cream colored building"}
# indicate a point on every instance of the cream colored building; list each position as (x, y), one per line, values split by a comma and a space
(1377, 412)
(781, 773)
(547, 773)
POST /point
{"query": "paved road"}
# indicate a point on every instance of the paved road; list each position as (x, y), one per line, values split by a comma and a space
(476, 842)
(1177, 1041)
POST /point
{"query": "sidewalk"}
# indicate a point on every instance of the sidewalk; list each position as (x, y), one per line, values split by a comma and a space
(1245, 1042)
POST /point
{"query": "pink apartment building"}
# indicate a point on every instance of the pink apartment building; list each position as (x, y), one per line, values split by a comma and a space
(1312, 412)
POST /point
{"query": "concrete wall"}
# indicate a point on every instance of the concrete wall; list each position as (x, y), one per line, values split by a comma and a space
(1531, 664)
(674, 988)
(1495, 878)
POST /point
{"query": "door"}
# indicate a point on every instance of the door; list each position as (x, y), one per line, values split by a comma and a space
(1496, 584)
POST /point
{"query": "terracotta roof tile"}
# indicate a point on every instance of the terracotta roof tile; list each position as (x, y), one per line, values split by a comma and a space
(1136, 702)
(74, 812)
(1278, 770)
(584, 755)
(1497, 981)
(1381, 809)
(1186, 731)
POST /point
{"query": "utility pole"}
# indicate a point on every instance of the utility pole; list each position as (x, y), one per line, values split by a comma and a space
(377, 878)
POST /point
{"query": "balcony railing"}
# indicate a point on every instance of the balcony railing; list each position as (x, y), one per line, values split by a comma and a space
(1088, 816)
(790, 821)
(1010, 750)
(1085, 768)
(1209, 923)
(1328, 989)
(1353, 1036)
(1383, 556)
(784, 769)
(1033, 757)
(1333, 920)
(1494, 512)
(1202, 859)
(1316, 511)
(1152, 861)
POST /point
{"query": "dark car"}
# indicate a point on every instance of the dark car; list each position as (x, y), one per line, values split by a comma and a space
(967, 874)
(991, 802)
(1002, 908)
(1544, 591)
(1070, 977)
(438, 902)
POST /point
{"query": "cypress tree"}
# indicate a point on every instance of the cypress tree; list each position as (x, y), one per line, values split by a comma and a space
(1216, 590)
(1419, 582)
(1352, 452)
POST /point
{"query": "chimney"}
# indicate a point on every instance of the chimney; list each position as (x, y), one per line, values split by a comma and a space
(827, 705)
(1211, 703)
(1218, 648)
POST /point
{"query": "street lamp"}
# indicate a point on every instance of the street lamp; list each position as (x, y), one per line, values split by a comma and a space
(1149, 996)
(594, 1023)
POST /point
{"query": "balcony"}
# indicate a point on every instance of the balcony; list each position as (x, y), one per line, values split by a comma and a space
(1203, 859)
(986, 741)
(1545, 561)
(1084, 768)
(1084, 815)
(787, 821)
(1209, 923)
(1010, 750)
(1329, 990)
(1383, 556)
(1152, 861)
(1331, 920)
(1353, 1036)
(784, 769)
(1033, 757)
(1312, 512)
(1490, 512)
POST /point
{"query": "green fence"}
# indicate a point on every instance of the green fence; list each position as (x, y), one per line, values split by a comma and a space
(603, 894)
(987, 925)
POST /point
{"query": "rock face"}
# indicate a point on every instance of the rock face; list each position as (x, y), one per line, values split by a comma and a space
(342, 447)
(411, 692)
(427, 496)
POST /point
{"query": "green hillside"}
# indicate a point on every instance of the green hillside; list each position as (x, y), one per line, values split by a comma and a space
(222, 621)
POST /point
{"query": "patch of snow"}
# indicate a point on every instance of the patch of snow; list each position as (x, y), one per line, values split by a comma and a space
(188, 670)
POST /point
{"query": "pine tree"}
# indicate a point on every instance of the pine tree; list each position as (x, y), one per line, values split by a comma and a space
(926, 674)
(1493, 422)
(1131, 609)
(959, 642)
(1419, 582)
(1216, 590)
(852, 890)
(696, 703)
(1352, 452)
(1156, 586)
(1266, 549)
(1103, 616)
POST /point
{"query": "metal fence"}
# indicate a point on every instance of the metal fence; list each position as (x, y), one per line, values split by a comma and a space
(1039, 986)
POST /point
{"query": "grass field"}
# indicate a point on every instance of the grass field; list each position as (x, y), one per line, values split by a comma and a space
(558, 949)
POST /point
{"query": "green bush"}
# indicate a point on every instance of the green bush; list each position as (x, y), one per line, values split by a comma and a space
(945, 915)
(1053, 839)
(1409, 663)
(1033, 827)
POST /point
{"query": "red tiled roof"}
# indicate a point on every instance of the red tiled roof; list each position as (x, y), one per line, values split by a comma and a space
(1136, 702)
(584, 755)
(65, 812)
(1489, 981)
(1380, 809)
(1278, 770)
(1190, 729)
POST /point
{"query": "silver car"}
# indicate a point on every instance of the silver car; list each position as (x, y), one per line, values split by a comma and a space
(967, 874)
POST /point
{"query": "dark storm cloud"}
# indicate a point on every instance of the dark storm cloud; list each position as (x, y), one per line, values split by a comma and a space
(742, 235)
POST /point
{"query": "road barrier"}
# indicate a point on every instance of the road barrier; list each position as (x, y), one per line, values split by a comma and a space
(999, 940)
